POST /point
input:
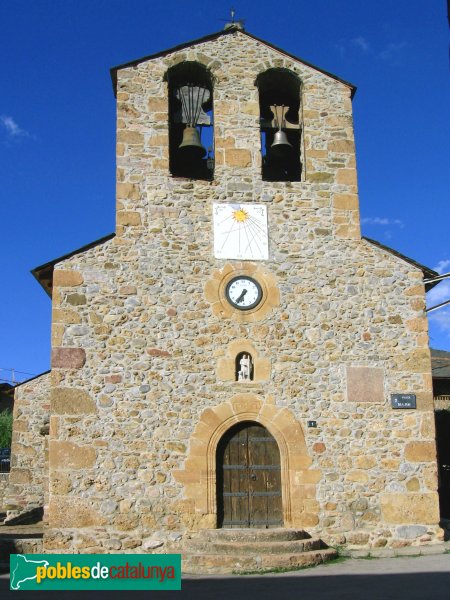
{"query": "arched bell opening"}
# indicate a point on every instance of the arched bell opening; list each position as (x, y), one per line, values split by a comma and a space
(279, 105)
(244, 367)
(191, 135)
(248, 478)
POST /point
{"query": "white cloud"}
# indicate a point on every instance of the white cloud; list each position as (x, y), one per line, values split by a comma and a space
(12, 128)
(382, 221)
(362, 43)
(392, 52)
(440, 293)
(441, 318)
(341, 49)
(442, 267)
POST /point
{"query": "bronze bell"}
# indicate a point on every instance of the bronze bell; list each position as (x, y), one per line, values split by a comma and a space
(280, 146)
(191, 144)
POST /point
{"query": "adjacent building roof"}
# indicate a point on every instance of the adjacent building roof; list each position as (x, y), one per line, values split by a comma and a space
(440, 364)
(427, 272)
(214, 36)
(44, 273)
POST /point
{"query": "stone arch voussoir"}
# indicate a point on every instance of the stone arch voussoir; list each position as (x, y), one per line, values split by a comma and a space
(300, 507)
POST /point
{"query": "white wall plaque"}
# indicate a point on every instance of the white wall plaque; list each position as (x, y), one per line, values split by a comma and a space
(240, 231)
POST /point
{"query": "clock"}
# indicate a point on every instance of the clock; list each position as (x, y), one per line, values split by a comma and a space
(243, 292)
(240, 231)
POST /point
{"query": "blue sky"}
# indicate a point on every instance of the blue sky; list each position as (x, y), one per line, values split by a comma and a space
(57, 121)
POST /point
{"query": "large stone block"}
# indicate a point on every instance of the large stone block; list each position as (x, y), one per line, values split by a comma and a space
(128, 217)
(68, 358)
(420, 451)
(344, 146)
(65, 278)
(67, 455)
(357, 476)
(76, 299)
(65, 316)
(320, 177)
(365, 384)
(345, 201)
(67, 511)
(71, 401)
(128, 190)
(130, 137)
(238, 157)
(410, 508)
(19, 475)
(346, 176)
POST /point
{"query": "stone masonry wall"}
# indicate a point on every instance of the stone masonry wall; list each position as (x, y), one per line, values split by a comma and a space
(4, 477)
(28, 477)
(138, 352)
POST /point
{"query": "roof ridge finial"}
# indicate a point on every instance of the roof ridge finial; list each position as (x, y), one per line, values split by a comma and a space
(233, 24)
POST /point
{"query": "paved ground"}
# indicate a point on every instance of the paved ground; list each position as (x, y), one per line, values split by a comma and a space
(405, 578)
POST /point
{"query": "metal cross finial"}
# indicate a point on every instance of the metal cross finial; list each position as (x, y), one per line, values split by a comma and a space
(233, 23)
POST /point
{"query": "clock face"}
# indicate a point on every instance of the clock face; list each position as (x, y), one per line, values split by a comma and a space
(240, 231)
(243, 292)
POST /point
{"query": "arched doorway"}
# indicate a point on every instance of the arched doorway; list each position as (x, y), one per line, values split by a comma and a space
(248, 476)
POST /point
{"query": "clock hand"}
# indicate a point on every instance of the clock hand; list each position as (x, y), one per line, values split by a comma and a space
(241, 297)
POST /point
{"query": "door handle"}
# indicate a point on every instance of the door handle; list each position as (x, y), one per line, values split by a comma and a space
(253, 477)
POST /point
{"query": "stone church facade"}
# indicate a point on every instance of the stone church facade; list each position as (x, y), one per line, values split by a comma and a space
(148, 392)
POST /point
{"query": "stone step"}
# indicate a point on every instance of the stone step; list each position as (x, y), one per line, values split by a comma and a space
(28, 517)
(234, 548)
(221, 564)
(253, 535)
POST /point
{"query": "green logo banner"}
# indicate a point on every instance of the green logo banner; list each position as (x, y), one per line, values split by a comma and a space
(95, 572)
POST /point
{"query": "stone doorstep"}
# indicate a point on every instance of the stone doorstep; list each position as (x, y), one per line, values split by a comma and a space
(252, 535)
(252, 548)
(221, 564)
(240, 550)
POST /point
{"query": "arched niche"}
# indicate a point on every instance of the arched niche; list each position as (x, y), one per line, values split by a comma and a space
(243, 367)
(190, 91)
(229, 365)
(279, 105)
(299, 505)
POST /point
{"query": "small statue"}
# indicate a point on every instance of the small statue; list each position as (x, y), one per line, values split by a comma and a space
(246, 365)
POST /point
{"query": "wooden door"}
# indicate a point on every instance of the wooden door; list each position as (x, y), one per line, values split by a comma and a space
(248, 478)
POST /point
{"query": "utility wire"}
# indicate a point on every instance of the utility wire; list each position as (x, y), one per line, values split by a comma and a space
(16, 371)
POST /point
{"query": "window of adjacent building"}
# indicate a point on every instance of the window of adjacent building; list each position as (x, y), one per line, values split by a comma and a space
(191, 135)
(279, 104)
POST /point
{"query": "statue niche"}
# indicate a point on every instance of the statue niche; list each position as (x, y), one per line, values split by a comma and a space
(244, 367)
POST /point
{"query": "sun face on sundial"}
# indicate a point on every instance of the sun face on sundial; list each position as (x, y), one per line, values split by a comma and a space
(240, 231)
(240, 215)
